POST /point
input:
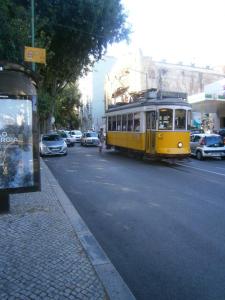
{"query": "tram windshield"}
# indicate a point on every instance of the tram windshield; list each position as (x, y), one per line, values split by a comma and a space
(165, 119)
(182, 119)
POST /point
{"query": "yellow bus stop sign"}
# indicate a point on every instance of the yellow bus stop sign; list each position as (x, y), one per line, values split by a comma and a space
(37, 55)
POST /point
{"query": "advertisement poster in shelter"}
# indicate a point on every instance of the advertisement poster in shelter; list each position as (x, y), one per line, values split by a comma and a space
(16, 144)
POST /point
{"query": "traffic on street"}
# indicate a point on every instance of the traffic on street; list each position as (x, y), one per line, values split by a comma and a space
(162, 225)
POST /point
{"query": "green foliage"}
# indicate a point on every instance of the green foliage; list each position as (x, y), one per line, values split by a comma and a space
(75, 34)
(14, 31)
(67, 108)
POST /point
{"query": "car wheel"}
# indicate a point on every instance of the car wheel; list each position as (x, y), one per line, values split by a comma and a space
(65, 154)
(199, 155)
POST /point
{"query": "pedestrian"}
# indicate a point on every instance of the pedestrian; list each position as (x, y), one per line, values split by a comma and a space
(101, 139)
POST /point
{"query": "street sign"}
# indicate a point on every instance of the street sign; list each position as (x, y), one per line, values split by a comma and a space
(37, 55)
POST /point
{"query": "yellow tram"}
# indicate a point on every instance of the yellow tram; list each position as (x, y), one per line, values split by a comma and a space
(156, 125)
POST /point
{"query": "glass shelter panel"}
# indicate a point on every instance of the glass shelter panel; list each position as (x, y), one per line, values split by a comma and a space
(16, 144)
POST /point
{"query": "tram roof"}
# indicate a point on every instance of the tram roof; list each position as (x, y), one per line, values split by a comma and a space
(149, 102)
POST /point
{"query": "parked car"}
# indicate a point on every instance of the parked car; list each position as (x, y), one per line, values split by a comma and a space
(76, 134)
(207, 145)
(89, 138)
(52, 144)
(196, 130)
(67, 138)
(222, 133)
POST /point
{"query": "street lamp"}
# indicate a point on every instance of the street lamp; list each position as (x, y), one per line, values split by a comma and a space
(32, 29)
(144, 73)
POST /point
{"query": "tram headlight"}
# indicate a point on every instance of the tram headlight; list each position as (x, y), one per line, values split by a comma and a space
(180, 145)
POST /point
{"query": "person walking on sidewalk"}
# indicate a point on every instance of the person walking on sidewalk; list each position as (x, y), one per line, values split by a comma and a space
(101, 140)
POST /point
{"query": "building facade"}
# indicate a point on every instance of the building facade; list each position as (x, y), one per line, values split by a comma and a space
(208, 107)
(93, 95)
(135, 72)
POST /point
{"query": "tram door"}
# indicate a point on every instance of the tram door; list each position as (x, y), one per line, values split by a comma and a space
(150, 131)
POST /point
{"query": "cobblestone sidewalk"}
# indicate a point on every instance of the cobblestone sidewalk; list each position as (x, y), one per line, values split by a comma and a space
(41, 256)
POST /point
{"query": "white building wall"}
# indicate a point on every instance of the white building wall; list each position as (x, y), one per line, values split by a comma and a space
(217, 87)
(101, 69)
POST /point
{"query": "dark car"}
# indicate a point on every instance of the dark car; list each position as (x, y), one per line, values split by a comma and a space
(52, 144)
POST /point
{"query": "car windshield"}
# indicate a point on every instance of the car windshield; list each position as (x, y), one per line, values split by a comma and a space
(214, 141)
(63, 134)
(77, 132)
(92, 134)
(52, 137)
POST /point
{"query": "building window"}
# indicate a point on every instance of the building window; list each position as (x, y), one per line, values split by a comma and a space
(180, 118)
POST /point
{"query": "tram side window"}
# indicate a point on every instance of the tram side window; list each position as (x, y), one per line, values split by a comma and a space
(114, 123)
(165, 119)
(124, 122)
(137, 119)
(119, 123)
(180, 119)
(130, 122)
(188, 120)
(109, 123)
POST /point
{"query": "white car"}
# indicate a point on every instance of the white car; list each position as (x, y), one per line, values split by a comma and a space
(207, 145)
(76, 134)
(67, 138)
(89, 138)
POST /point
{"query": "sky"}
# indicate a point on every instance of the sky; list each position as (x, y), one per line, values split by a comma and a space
(191, 31)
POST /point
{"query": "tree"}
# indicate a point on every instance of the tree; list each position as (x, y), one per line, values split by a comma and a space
(67, 107)
(75, 34)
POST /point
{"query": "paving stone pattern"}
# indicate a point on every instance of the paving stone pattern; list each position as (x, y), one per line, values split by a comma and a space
(41, 256)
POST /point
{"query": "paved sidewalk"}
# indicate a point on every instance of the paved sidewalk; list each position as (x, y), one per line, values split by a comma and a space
(47, 251)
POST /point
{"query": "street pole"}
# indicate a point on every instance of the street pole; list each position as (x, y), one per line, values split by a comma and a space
(32, 29)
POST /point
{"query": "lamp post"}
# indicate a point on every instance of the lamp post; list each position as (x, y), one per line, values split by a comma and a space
(32, 30)
(144, 73)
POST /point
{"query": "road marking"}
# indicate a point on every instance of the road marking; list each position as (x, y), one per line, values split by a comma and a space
(200, 169)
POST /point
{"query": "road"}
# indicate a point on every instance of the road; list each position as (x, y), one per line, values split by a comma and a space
(162, 225)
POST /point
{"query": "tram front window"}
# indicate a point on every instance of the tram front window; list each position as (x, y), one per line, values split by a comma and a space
(165, 119)
(180, 119)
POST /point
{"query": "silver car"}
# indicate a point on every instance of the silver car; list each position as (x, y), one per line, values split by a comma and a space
(52, 144)
(207, 145)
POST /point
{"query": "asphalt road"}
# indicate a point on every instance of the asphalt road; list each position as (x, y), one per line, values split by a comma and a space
(162, 225)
